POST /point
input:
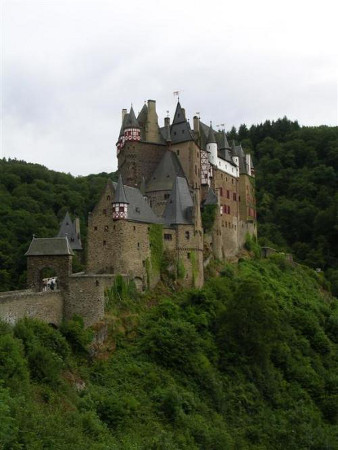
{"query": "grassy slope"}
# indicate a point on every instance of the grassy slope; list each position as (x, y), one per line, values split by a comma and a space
(250, 361)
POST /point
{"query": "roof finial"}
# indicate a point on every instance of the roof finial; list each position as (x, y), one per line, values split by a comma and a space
(177, 94)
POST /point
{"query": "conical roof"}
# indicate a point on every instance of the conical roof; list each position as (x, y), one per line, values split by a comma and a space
(120, 194)
(179, 116)
(132, 121)
(142, 117)
(179, 204)
(68, 229)
(222, 140)
(211, 136)
(180, 130)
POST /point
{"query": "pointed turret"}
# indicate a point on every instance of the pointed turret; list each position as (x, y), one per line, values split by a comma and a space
(132, 121)
(211, 136)
(179, 116)
(120, 203)
(180, 204)
(130, 129)
(71, 230)
(180, 130)
(211, 146)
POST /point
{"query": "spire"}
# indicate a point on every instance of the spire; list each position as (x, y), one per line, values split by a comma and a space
(223, 141)
(120, 194)
(211, 136)
(179, 116)
(180, 204)
(132, 121)
(142, 117)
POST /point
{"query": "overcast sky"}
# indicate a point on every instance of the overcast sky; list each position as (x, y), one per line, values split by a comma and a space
(69, 67)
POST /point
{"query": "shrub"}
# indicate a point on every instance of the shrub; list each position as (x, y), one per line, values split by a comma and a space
(78, 337)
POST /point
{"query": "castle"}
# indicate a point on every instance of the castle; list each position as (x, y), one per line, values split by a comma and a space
(167, 176)
(183, 196)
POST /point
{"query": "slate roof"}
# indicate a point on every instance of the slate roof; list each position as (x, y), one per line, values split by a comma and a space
(164, 176)
(132, 121)
(139, 209)
(222, 140)
(143, 115)
(180, 130)
(49, 247)
(211, 198)
(211, 136)
(68, 229)
(120, 195)
(238, 151)
(180, 204)
(165, 134)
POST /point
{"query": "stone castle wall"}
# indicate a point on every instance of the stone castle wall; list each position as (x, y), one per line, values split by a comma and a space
(85, 297)
(45, 306)
(133, 165)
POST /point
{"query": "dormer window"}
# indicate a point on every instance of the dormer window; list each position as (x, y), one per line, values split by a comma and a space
(187, 235)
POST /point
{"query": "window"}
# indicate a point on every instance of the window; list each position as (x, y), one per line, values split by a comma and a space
(177, 151)
(234, 196)
(97, 283)
(228, 209)
(104, 242)
(188, 255)
(95, 228)
(228, 194)
(121, 209)
(166, 196)
(187, 235)
(168, 237)
(221, 191)
(138, 245)
(134, 227)
(108, 197)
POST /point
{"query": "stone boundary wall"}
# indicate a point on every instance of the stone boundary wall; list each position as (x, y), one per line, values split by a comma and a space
(45, 306)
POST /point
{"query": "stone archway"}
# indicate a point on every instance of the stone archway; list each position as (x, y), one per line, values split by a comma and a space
(60, 265)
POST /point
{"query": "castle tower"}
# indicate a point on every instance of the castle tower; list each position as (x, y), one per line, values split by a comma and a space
(211, 146)
(120, 203)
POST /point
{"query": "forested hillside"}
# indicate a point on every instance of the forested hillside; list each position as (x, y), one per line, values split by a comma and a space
(34, 200)
(248, 362)
(297, 189)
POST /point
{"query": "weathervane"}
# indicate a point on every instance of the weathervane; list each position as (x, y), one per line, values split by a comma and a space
(177, 94)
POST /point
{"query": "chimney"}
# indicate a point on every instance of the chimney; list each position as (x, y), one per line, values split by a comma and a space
(167, 121)
(152, 129)
(196, 124)
(124, 112)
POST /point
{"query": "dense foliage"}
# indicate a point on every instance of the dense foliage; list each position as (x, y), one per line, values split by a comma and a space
(247, 362)
(297, 189)
(34, 200)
